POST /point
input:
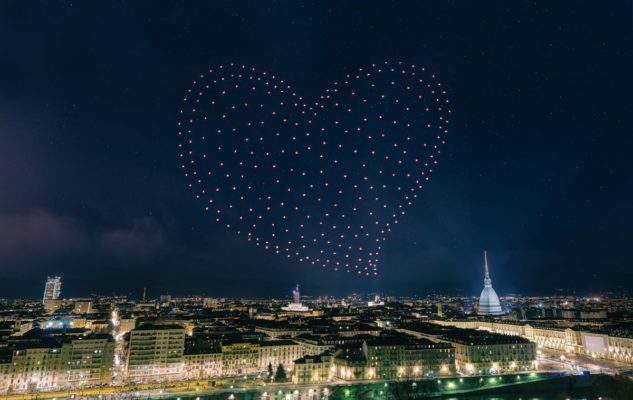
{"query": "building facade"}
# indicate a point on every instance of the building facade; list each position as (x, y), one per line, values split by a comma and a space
(313, 369)
(240, 358)
(394, 358)
(56, 363)
(86, 361)
(52, 289)
(617, 347)
(155, 352)
(283, 352)
(481, 352)
(29, 369)
(82, 307)
(202, 365)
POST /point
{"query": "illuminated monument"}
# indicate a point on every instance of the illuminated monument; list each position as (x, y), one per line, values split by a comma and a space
(488, 300)
(296, 305)
(296, 297)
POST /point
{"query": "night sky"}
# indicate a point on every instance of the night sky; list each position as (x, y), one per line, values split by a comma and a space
(536, 167)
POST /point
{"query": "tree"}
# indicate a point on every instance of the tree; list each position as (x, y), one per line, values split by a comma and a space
(270, 370)
(280, 375)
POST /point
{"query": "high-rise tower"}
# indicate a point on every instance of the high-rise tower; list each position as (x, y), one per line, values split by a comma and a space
(296, 305)
(489, 303)
(296, 297)
(52, 289)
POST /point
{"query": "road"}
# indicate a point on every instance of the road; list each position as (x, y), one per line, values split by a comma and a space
(550, 360)
(286, 391)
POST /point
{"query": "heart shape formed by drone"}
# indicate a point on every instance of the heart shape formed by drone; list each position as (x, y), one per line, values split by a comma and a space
(322, 181)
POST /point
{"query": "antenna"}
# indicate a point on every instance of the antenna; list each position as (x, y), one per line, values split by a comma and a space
(487, 280)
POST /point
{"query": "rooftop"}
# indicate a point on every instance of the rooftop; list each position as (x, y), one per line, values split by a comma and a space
(272, 343)
(153, 327)
(473, 337)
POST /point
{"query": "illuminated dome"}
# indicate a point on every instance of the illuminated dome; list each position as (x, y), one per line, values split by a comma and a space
(489, 303)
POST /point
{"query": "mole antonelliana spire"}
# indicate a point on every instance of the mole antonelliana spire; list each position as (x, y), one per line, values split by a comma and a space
(488, 300)
(487, 280)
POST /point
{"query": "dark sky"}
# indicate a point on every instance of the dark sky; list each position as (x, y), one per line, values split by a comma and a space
(537, 166)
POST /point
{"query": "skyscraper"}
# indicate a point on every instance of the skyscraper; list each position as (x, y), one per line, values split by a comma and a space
(53, 288)
(488, 300)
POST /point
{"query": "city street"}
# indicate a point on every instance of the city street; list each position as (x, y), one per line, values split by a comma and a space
(285, 391)
(558, 360)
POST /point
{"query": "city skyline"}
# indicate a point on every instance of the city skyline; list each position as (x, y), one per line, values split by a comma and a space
(154, 293)
(535, 168)
(315, 200)
(314, 348)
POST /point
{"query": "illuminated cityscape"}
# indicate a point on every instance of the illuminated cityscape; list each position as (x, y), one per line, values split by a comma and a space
(325, 200)
(116, 344)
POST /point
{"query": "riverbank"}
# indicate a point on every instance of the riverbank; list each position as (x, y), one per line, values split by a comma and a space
(454, 388)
